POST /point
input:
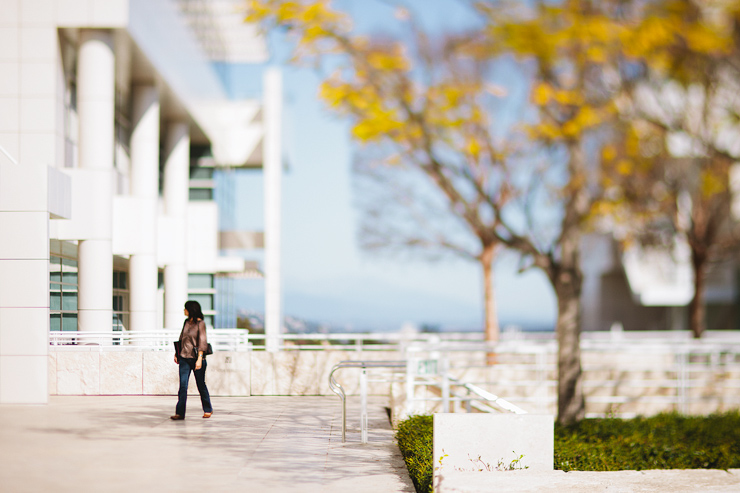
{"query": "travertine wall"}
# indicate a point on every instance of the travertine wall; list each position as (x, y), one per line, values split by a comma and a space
(618, 383)
(79, 372)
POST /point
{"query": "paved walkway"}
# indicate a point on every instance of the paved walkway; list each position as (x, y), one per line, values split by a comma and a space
(255, 444)
(654, 481)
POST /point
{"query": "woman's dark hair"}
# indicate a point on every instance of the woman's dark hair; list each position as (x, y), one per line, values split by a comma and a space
(194, 311)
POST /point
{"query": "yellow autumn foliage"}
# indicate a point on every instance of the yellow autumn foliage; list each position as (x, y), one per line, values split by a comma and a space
(473, 147)
(625, 167)
(608, 153)
(712, 183)
(542, 94)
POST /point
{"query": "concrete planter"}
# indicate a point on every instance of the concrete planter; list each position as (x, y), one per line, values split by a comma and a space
(493, 443)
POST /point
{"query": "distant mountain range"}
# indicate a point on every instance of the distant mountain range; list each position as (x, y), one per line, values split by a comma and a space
(296, 325)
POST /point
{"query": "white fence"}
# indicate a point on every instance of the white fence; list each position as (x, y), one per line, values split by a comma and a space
(241, 340)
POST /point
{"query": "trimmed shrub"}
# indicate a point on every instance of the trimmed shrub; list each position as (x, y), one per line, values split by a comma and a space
(414, 437)
(665, 441)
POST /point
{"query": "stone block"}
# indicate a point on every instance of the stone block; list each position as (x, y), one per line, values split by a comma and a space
(228, 374)
(111, 13)
(52, 372)
(23, 380)
(492, 442)
(296, 373)
(262, 373)
(74, 13)
(121, 373)
(30, 286)
(397, 403)
(24, 331)
(160, 374)
(78, 372)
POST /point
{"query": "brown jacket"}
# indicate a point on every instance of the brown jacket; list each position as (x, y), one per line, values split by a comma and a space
(193, 339)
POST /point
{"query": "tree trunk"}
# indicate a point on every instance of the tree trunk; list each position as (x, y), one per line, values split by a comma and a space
(491, 328)
(696, 306)
(567, 280)
(571, 403)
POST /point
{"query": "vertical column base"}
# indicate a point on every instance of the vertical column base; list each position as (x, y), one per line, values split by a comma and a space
(175, 295)
(143, 292)
(95, 313)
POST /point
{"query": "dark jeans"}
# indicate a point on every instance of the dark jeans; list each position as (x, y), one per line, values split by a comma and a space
(186, 366)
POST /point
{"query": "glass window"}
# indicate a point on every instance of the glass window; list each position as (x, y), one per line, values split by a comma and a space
(120, 303)
(208, 319)
(198, 194)
(63, 293)
(119, 321)
(69, 301)
(119, 280)
(55, 269)
(201, 173)
(205, 300)
(69, 277)
(56, 321)
(69, 321)
(69, 287)
(200, 281)
(55, 297)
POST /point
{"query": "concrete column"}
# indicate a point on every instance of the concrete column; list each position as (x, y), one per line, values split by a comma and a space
(272, 169)
(145, 188)
(96, 107)
(24, 282)
(175, 191)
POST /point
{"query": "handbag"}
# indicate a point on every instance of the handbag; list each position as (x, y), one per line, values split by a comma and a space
(178, 345)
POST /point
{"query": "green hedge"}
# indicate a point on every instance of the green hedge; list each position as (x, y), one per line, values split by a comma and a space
(414, 437)
(665, 441)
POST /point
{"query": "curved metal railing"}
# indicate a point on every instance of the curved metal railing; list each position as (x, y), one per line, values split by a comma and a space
(337, 388)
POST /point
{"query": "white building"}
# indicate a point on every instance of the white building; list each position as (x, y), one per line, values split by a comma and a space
(113, 117)
(650, 289)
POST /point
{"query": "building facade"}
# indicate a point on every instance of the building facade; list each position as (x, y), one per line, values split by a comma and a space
(114, 117)
(639, 288)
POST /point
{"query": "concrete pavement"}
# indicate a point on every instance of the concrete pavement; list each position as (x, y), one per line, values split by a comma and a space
(653, 481)
(255, 444)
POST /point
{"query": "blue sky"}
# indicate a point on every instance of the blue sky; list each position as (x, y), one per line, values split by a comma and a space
(326, 277)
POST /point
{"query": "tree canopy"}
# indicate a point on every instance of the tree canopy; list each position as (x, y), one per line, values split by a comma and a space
(585, 148)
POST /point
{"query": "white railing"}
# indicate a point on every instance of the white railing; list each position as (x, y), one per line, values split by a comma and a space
(157, 340)
(228, 339)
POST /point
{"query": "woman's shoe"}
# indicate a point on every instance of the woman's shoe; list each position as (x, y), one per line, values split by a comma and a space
(176, 417)
(207, 415)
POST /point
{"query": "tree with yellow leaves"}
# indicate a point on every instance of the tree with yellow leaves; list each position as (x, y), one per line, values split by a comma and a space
(422, 111)
(589, 60)
(670, 173)
(430, 110)
(427, 106)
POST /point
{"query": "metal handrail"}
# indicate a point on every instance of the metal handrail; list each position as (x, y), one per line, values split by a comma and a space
(337, 388)
(489, 397)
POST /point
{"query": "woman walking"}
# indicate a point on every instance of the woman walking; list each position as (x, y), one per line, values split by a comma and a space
(193, 344)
